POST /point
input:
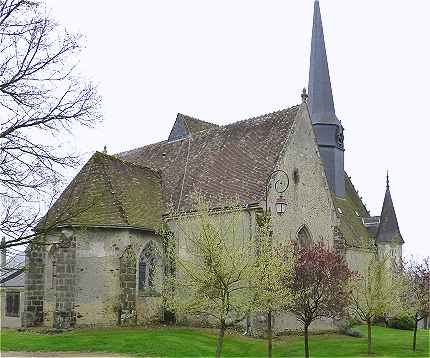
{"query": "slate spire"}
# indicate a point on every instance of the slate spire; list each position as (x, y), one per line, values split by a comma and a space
(328, 129)
(389, 227)
(321, 104)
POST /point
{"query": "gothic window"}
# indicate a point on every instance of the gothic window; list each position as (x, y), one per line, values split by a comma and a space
(147, 267)
(52, 269)
(12, 304)
(304, 237)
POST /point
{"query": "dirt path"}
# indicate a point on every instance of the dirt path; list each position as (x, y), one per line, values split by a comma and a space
(57, 354)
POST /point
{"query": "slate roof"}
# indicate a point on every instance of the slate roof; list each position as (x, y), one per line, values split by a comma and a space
(372, 224)
(14, 279)
(389, 227)
(231, 161)
(110, 192)
(321, 103)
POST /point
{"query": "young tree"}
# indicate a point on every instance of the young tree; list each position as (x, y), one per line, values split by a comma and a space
(319, 285)
(272, 268)
(375, 293)
(213, 263)
(416, 295)
(41, 97)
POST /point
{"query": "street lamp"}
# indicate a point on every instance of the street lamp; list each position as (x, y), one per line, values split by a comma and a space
(281, 205)
(281, 185)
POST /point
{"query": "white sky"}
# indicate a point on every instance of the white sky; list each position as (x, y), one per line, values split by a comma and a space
(227, 60)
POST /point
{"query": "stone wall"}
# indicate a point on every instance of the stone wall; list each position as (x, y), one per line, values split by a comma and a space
(358, 258)
(34, 286)
(339, 242)
(97, 298)
(65, 284)
(392, 250)
(127, 279)
(309, 202)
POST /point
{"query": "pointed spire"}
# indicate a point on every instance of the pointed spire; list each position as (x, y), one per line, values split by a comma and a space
(321, 104)
(389, 227)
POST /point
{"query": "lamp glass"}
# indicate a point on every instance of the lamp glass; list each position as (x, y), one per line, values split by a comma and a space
(281, 206)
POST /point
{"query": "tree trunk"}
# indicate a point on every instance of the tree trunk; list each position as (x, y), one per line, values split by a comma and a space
(269, 334)
(306, 341)
(220, 340)
(369, 337)
(414, 345)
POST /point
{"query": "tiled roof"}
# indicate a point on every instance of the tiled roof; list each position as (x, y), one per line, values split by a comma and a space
(231, 161)
(185, 126)
(195, 125)
(110, 192)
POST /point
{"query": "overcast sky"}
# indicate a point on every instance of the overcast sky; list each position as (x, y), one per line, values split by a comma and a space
(227, 60)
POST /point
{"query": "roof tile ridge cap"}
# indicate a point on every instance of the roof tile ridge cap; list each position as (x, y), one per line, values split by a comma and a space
(129, 162)
(289, 109)
(143, 146)
(117, 201)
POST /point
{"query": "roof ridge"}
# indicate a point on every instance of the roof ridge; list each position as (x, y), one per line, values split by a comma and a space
(217, 127)
(288, 109)
(127, 162)
(116, 200)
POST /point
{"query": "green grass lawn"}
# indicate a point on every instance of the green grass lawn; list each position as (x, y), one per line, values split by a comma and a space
(186, 342)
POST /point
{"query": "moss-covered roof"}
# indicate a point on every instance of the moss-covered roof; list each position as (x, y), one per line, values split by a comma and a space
(110, 192)
(352, 210)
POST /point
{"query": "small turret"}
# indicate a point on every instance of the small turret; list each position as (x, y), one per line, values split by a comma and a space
(388, 238)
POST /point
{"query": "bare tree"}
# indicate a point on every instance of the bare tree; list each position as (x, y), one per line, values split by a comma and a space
(42, 97)
(416, 293)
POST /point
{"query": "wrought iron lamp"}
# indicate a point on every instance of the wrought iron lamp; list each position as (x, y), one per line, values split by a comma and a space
(281, 185)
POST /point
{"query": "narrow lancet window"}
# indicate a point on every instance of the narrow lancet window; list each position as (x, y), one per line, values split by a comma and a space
(147, 267)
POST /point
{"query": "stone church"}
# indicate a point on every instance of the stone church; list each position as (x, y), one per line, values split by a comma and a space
(97, 266)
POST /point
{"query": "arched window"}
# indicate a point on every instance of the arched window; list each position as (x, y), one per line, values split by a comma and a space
(52, 269)
(304, 237)
(147, 266)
